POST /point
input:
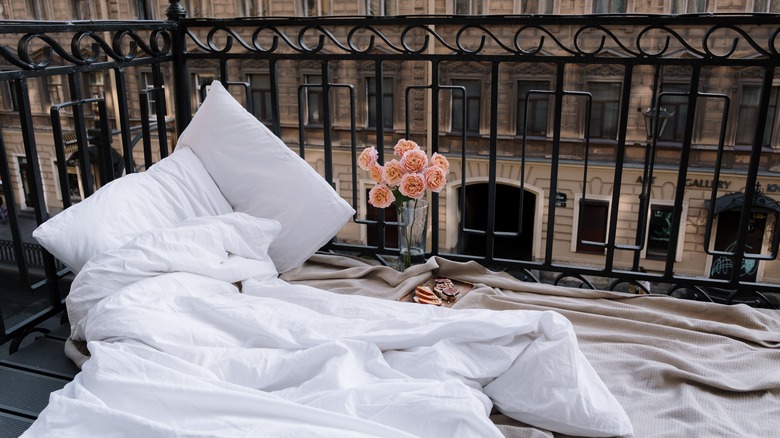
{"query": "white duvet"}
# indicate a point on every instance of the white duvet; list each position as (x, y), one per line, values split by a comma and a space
(178, 349)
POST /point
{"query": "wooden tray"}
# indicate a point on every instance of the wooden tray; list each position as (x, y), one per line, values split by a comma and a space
(462, 286)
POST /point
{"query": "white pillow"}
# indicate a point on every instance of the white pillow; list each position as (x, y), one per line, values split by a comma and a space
(176, 188)
(259, 175)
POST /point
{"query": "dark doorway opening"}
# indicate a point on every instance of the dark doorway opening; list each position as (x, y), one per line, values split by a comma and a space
(507, 216)
(726, 240)
(594, 216)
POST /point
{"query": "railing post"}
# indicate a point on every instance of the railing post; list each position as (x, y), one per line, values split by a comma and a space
(181, 83)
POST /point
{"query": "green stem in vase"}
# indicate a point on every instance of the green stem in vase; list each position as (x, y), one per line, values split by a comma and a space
(406, 231)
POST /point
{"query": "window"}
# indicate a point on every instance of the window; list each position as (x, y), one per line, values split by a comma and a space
(201, 82)
(148, 83)
(538, 107)
(675, 127)
(380, 7)
(609, 6)
(10, 99)
(314, 108)
(76, 13)
(36, 10)
(659, 232)
(251, 8)
(313, 8)
(74, 183)
(748, 115)
(689, 6)
(197, 8)
(771, 6)
(536, 6)
(144, 9)
(387, 102)
(604, 111)
(470, 105)
(468, 7)
(594, 215)
(23, 171)
(260, 86)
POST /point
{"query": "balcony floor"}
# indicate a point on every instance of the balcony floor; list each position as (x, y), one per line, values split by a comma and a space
(31, 374)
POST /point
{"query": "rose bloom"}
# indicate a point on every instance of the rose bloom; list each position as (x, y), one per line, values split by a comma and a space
(435, 178)
(414, 161)
(441, 161)
(376, 172)
(392, 173)
(403, 146)
(367, 158)
(380, 196)
(412, 185)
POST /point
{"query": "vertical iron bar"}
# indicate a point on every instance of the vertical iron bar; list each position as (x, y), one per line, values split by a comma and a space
(146, 128)
(302, 104)
(327, 124)
(434, 147)
(490, 237)
(181, 80)
(124, 119)
(618, 175)
(583, 198)
(647, 173)
(223, 71)
(273, 73)
(35, 183)
(556, 149)
(105, 157)
(79, 125)
(685, 155)
(59, 153)
(380, 139)
(160, 110)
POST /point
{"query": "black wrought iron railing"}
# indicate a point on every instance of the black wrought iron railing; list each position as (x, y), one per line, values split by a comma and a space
(555, 175)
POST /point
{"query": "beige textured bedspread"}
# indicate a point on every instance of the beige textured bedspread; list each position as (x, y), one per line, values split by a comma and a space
(680, 368)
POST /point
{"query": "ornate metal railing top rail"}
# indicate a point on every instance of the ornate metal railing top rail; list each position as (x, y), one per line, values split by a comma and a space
(50, 45)
(707, 39)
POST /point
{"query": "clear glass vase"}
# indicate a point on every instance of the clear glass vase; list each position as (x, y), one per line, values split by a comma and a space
(412, 232)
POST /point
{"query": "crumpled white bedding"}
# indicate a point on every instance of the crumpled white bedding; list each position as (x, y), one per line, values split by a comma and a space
(177, 349)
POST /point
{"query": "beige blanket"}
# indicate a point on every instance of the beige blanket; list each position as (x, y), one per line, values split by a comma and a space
(680, 368)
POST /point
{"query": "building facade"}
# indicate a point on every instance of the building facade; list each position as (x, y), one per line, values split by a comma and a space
(524, 127)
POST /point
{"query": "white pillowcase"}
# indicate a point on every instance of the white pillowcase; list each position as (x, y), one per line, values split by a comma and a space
(259, 175)
(176, 188)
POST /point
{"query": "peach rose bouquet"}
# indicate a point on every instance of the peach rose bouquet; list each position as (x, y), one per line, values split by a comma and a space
(406, 177)
(403, 182)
